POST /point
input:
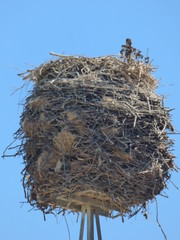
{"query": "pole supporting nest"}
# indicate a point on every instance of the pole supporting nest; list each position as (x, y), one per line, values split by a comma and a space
(91, 212)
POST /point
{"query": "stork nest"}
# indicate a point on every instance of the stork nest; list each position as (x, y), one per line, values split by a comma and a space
(94, 129)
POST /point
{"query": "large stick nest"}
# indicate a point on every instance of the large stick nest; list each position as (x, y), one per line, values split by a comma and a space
(94, 129)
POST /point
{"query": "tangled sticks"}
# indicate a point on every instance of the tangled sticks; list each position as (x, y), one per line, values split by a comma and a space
(94, 129)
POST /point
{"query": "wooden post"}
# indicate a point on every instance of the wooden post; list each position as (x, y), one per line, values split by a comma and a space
(82, 224)
(90, 211)
(90, 223)
(98, 226)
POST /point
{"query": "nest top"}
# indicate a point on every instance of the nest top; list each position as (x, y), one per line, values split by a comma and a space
(71, 67)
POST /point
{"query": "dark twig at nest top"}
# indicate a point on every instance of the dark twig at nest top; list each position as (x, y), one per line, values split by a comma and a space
(130, 52)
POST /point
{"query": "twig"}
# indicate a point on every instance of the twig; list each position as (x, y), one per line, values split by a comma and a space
(67, 227)
(157, 219)
(61, 55)
(173, 184)
(3, 156)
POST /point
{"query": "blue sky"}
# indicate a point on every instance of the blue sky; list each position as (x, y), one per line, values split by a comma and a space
(29, 31)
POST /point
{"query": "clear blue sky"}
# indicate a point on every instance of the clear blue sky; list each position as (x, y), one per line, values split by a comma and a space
(29, 31)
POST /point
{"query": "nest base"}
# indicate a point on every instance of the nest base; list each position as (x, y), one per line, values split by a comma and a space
(77, 203)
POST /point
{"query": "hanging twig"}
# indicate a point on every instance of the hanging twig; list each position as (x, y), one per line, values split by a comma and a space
(67, 227)
(157, 219)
